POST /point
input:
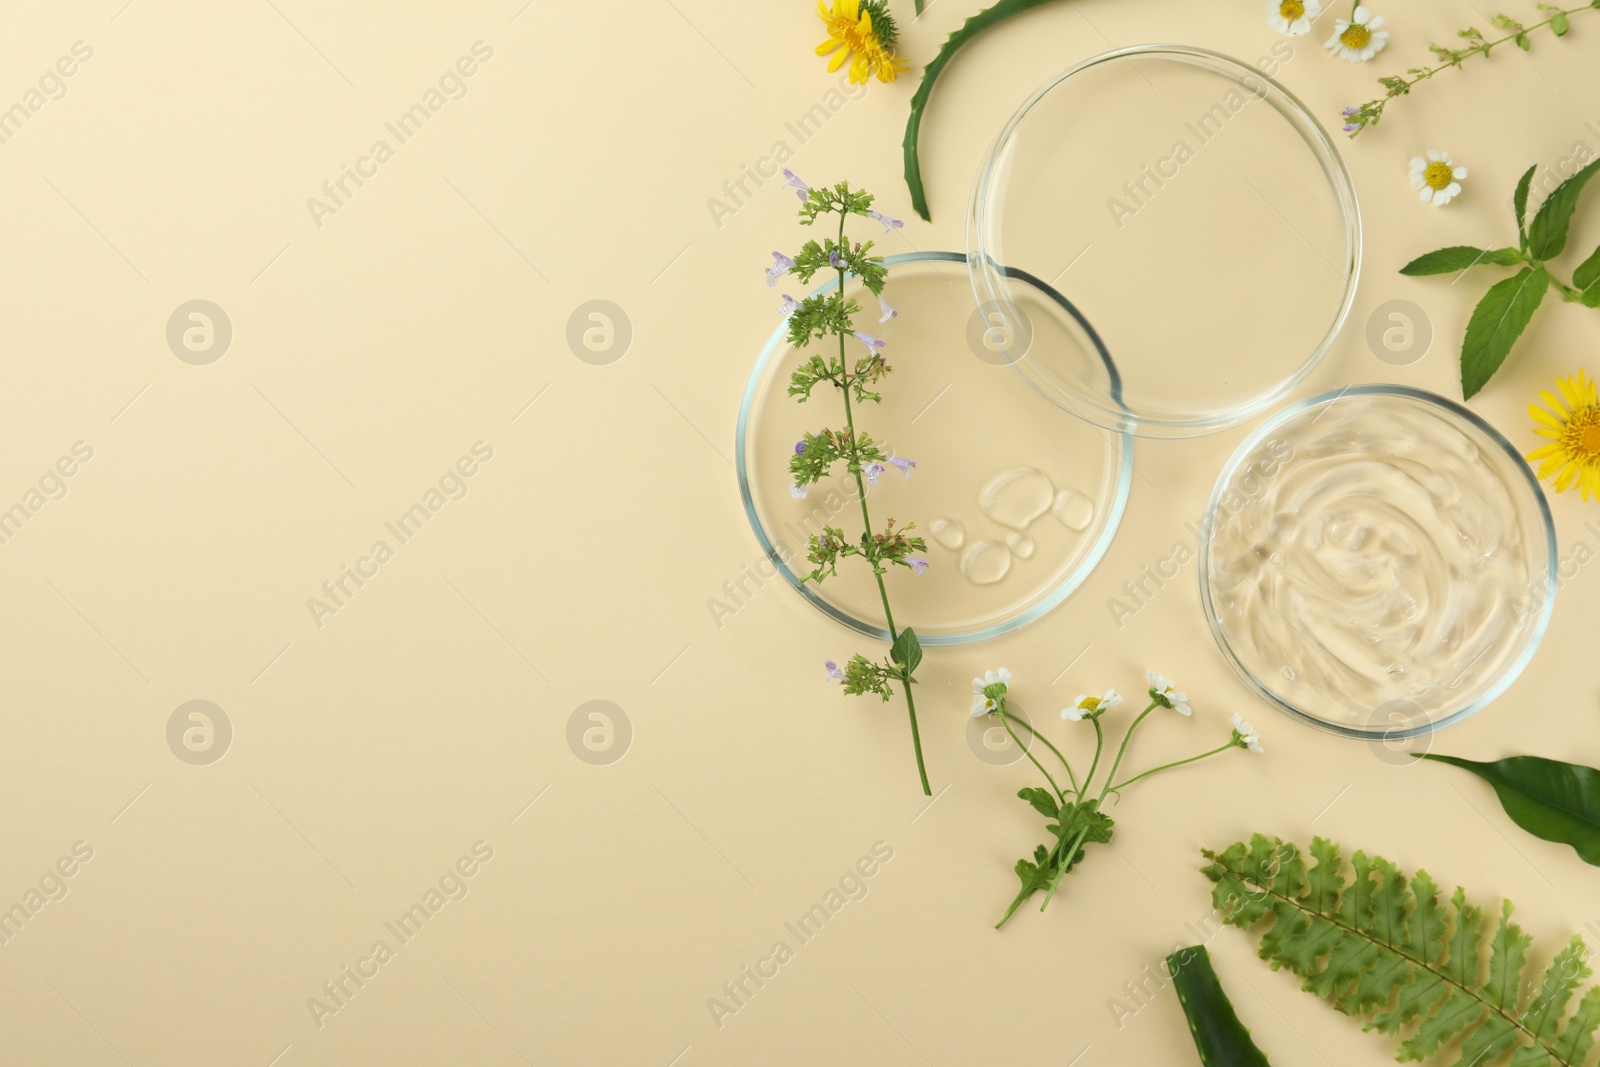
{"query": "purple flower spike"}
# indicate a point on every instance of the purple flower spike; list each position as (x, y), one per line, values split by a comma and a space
(833, 257)
(873, 471)
(801, 189)
(834, 673)
(790, 305)
(919, 565)
(888, 312)
(781, 265)
(905, 465)
(1347, 112)
(800, 446)
(797, 491)
(872, 343)
(1351, 127)
(889, 225)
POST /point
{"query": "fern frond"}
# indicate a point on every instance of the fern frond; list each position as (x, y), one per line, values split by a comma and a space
(1382, 946)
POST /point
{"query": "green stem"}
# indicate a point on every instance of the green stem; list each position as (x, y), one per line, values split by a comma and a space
(1073, 778)
(1123, 751)
(1099, 746)
(866, 519)
(1064, 865)
(1169, 766)
(1005, 718)
(1405, 84)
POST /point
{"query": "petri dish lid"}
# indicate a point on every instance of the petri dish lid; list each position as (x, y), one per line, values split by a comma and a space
(1194, 212)
(1017, 503)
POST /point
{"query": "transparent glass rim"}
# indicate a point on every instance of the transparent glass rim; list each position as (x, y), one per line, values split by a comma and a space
(1508, 675)
(987, 274)
(1068, 585)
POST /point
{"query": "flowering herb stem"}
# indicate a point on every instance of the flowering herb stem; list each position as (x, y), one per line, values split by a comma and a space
(866, 521)
(1360, 117)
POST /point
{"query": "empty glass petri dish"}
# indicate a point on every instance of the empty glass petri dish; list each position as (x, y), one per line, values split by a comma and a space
(1378, 562)
(1017, 503)
(1192, 210)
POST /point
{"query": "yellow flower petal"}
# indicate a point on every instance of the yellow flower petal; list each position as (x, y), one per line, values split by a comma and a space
(1542, 452)
(1569, 392)
(1554, 405)
(1564, 480)
(1535, 412)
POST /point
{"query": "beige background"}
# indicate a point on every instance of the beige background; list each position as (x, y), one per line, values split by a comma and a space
(427, 314)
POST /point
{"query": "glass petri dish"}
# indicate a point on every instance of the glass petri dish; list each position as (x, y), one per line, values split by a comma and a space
(1017, 503)
(1378, 562)
(1194, 211)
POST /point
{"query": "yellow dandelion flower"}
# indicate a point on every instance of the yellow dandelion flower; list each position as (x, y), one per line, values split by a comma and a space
(1572, 422)
(863, 32)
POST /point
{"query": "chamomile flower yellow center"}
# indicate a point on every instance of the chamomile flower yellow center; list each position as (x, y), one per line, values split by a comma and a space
(1356, 36)
(1438, 175)
(1292, 9)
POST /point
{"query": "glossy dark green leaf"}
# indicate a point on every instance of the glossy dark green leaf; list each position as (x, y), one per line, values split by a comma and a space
(1496, 323)
(1547, 234)
(971, 28)
(1552, 800)
(1460, 257)
(1520, 202)
(1220, 1038)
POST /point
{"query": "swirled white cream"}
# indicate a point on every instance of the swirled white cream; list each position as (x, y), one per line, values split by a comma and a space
(1371, 551)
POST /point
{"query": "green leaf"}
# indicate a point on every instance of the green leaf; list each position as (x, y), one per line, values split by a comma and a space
(1547, 234)
(1460, 257)
(1588, 271)
(1520, 202)
(1551, 800)
(1590, 297)
(907, 651)
(1558, 22)
(971, 28)
(1220, 1038)
(1043, 801)
(1376, 946)
(1496, 323)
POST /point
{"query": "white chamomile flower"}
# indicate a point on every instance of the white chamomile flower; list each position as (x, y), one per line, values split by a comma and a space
(1244, 734)
(1436, 179)
(1164, 693)
(1088, 706)
(1292, 18)
(1358, 38)
(986, 689)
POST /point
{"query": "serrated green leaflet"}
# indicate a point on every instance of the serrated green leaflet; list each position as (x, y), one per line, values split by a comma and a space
(1382, 946)
(1460, 257)
(1547, 234)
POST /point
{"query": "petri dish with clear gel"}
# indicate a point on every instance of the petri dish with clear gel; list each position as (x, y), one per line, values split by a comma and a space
(1017, 503)
(1193, 211)
(1378, 562)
